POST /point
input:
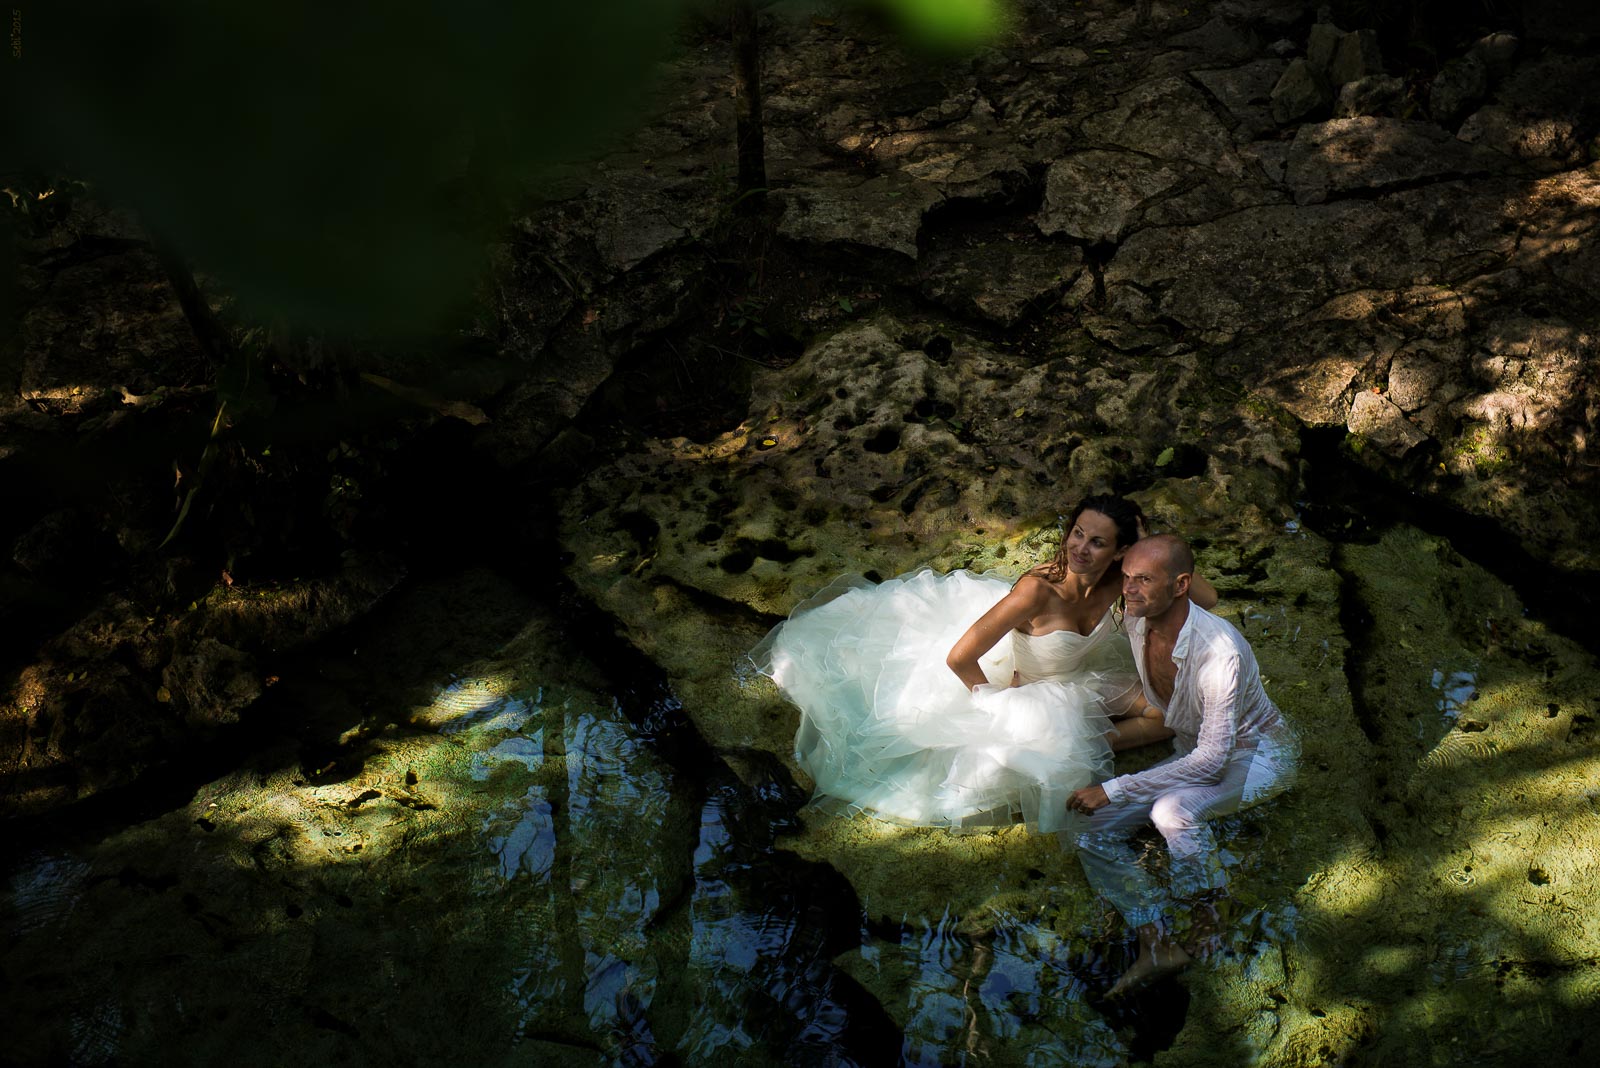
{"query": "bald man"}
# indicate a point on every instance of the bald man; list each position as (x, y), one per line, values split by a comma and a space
(1232, 749)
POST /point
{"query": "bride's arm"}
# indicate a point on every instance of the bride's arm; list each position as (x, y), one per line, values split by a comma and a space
(1014, 610)
(1142, 729)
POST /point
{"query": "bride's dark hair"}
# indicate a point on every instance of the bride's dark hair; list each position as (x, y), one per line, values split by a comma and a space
(1121, 511)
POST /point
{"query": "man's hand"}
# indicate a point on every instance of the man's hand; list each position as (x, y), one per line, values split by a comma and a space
(1088, 799)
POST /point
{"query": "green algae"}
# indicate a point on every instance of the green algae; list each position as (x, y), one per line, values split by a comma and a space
(1468, 804)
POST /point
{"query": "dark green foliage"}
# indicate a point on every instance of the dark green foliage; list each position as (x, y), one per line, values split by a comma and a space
(331, 164)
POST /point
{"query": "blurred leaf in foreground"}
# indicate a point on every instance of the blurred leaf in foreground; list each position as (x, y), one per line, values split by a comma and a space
(338, 165)
(948, 25)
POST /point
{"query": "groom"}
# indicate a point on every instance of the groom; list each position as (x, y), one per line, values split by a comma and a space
(1232, 748)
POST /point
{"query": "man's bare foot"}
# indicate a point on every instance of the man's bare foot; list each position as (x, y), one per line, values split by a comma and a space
(1157, 960)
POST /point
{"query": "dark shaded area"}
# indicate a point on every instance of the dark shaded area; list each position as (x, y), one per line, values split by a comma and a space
(1340, 503)
(484, 577)
(347, 174)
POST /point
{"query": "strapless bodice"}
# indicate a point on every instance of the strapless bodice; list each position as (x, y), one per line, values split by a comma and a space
(1062, 653)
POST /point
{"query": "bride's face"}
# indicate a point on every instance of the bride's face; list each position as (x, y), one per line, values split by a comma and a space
(1092, 544)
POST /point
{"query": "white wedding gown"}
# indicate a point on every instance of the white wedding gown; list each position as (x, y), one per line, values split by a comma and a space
(887, 729)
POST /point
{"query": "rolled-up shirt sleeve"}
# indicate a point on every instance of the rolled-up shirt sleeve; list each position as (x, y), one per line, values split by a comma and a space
(1214, 701)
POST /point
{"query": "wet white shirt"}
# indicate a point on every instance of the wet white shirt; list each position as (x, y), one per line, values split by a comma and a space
(1218, 707)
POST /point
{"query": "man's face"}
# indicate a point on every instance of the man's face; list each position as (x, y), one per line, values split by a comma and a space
(1148, 585)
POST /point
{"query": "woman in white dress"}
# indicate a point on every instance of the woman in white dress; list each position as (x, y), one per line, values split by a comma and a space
(964, 700)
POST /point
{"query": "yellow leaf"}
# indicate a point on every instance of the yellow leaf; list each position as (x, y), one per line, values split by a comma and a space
(163, 694)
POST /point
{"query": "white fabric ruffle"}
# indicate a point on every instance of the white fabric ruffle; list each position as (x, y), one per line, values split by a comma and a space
(887, 729)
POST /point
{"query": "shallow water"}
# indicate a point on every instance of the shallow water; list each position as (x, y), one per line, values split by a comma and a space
(525, 870)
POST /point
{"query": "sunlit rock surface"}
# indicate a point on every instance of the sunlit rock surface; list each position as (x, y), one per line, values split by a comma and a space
(888, 446)
(1154, 146)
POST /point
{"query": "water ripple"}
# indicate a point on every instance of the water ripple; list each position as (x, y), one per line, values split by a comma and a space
(45, 891)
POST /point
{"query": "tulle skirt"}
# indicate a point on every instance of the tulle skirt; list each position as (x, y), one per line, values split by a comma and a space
(887, 729)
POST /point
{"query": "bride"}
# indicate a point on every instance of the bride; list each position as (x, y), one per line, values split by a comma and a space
(963, 700)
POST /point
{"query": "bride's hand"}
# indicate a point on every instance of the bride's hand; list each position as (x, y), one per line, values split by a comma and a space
(1144, 531)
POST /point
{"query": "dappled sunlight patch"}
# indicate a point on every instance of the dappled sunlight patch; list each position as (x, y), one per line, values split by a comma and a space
(484, 702)
(910, 871)
(1479, 875)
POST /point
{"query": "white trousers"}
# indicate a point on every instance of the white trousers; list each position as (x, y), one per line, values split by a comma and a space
(1113, 865)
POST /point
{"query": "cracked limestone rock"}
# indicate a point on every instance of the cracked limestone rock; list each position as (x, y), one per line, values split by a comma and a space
(1459, 85)
(1098, 196)
(1367, 96)
(1380, 422)
(1302, 90)
(1368, 152)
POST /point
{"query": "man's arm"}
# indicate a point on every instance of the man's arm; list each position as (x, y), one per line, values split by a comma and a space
(1216, 690)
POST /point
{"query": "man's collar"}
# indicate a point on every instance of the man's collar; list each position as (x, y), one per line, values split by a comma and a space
(1180, 648)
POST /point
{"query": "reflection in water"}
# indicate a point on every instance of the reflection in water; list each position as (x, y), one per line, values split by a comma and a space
(765, 989)
(1456, 688)
(570, 890)
(968, 998)
(97, 1033)
(938, 1011)
(616, 793)
(526, 840)
(1455, 962)
(525, 750)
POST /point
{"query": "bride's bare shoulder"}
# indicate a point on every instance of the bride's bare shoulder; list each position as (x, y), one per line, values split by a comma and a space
(1035, 588)
(1036, 579)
